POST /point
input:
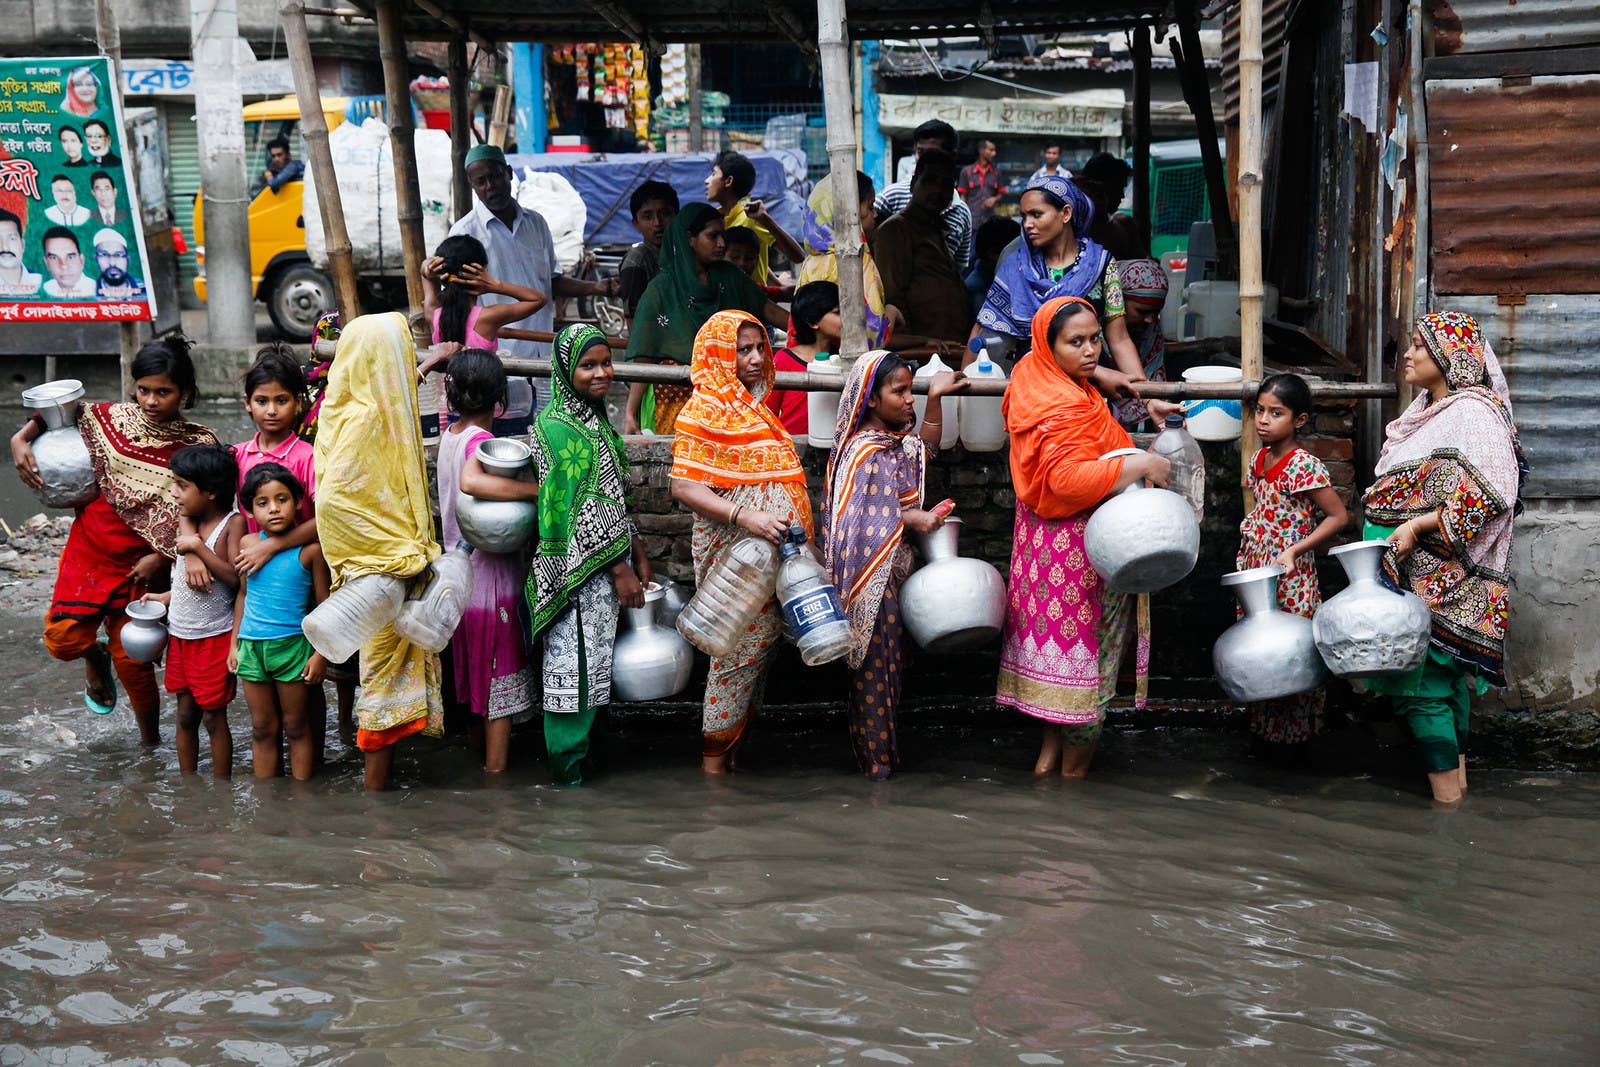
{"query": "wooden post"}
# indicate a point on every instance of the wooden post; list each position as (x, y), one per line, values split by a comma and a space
(108, 36)
(314, 128)
(500, 116)
(1142, 207)
(838, 104)
(460, 126)
(692, 77)
(1250, 290)
(402, 143)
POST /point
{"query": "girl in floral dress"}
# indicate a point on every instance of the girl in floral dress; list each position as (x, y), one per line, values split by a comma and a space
(1290, 486)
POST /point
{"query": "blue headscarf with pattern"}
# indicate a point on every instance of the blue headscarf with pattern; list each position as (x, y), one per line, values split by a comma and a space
(1022, 282)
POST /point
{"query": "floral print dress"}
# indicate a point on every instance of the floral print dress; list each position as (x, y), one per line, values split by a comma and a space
(1284, 515)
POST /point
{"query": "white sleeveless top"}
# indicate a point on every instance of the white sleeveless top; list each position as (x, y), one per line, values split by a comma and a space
(193, 615)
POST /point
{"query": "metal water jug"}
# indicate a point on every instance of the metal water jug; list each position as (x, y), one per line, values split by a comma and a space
(62, 457)
(1269, 653)
(670, 606)
(1142, 539)
(649, 661)
(498, 526)
(1370, 630)
(144, 635)
(952, 602)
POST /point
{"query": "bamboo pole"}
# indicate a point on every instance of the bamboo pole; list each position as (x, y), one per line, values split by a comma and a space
(402, 143)
(314, 128)
(460, 127)
(838, 103)
(500, 115)
(677, 374)
(1251, 341)
(1141, 136)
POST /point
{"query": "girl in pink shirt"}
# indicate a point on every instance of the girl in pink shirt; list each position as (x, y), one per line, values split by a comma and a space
(453, 280)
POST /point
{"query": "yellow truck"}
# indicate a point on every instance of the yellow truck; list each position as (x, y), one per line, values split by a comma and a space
(295, 291)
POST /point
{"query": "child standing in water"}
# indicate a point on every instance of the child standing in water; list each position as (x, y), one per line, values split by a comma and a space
(200, 621)
(122, 540)
(491, 649)
(1290, 486)
(271, 654)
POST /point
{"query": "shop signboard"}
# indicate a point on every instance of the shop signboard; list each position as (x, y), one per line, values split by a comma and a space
(1091, 113)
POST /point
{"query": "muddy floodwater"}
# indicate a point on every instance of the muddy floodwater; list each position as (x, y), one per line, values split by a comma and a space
(1174, 909)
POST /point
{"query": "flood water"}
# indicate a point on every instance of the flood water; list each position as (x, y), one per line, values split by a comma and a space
(1168, 911)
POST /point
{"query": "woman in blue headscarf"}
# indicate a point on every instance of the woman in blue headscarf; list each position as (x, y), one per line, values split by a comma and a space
(1059, 258)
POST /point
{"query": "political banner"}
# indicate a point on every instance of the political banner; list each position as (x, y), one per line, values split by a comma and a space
(71, 242)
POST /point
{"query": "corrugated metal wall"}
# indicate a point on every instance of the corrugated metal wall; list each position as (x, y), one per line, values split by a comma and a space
(1512, 25)
(1515, 204)
(1550, 351)
(183, 181)
(1273, 16)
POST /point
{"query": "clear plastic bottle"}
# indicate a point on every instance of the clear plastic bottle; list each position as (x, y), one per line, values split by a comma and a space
(810, 604)
(1188, 478)
(429, 620)
(731, 597)
(822, 407)
(983, 424)
(354, 612)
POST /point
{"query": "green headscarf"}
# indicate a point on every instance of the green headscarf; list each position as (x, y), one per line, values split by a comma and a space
(583, 486)
(677, 303)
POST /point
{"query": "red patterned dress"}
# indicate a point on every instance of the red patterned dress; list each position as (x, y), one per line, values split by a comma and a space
(1284, 515)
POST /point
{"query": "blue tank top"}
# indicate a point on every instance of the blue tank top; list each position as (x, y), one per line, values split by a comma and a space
(276, 597)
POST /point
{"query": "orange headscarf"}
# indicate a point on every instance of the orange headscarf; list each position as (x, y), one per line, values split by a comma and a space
(1059, 430)
(726, 437)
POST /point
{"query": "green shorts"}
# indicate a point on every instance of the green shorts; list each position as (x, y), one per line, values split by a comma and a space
(278, 659)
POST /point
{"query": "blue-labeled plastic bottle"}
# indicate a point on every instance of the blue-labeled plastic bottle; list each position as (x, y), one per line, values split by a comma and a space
(810, 604)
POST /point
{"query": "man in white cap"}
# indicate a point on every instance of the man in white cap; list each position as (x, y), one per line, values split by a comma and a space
(111, 258)
(522, 252)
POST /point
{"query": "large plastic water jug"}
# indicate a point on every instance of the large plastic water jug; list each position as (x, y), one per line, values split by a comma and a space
(810, 604)
(1188, 477)
(352, 614)
(982, 423)
(822, 408)
(1214, 420)
(731, 597)
(429, 620)
(1174, 264)
(950, 432)
(1211, 308)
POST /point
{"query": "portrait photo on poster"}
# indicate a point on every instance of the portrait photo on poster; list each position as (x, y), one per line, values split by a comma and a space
(71, 239)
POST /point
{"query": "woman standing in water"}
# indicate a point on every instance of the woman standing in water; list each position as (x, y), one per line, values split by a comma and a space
(735, 467)
(587, 565)
(1065, 631)
(1449, 480)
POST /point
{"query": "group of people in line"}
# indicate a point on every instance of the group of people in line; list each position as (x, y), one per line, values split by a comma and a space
(243, 542)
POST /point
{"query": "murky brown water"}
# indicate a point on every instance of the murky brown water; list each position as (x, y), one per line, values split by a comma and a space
(1165, 912)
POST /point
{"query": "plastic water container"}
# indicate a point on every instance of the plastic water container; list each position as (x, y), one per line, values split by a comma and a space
(1211, 308)
(982, 423)
(810, 604)
(352, 613)
(731, 597)
(1188, 478)
(428, 621)
(1214, 420)
(822, 408)
(950, 432)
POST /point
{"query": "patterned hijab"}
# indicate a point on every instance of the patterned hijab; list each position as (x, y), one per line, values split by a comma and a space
(726, 436)
(1022, 282)
(1143, 280)
(872, 475)
(130, 454)
(583, 494)
(816, 234)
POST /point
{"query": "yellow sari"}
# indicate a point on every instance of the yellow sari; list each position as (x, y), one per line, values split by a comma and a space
(374, 515)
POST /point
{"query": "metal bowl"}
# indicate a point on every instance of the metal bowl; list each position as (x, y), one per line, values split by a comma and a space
(504, 456)
(56, 402)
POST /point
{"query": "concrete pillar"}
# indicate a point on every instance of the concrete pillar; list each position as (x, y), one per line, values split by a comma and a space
(230, 294)
(527, 79)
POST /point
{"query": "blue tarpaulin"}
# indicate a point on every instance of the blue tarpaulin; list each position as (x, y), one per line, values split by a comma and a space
(606, 181)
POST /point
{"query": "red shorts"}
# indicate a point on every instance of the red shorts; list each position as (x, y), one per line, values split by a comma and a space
(199, 667)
